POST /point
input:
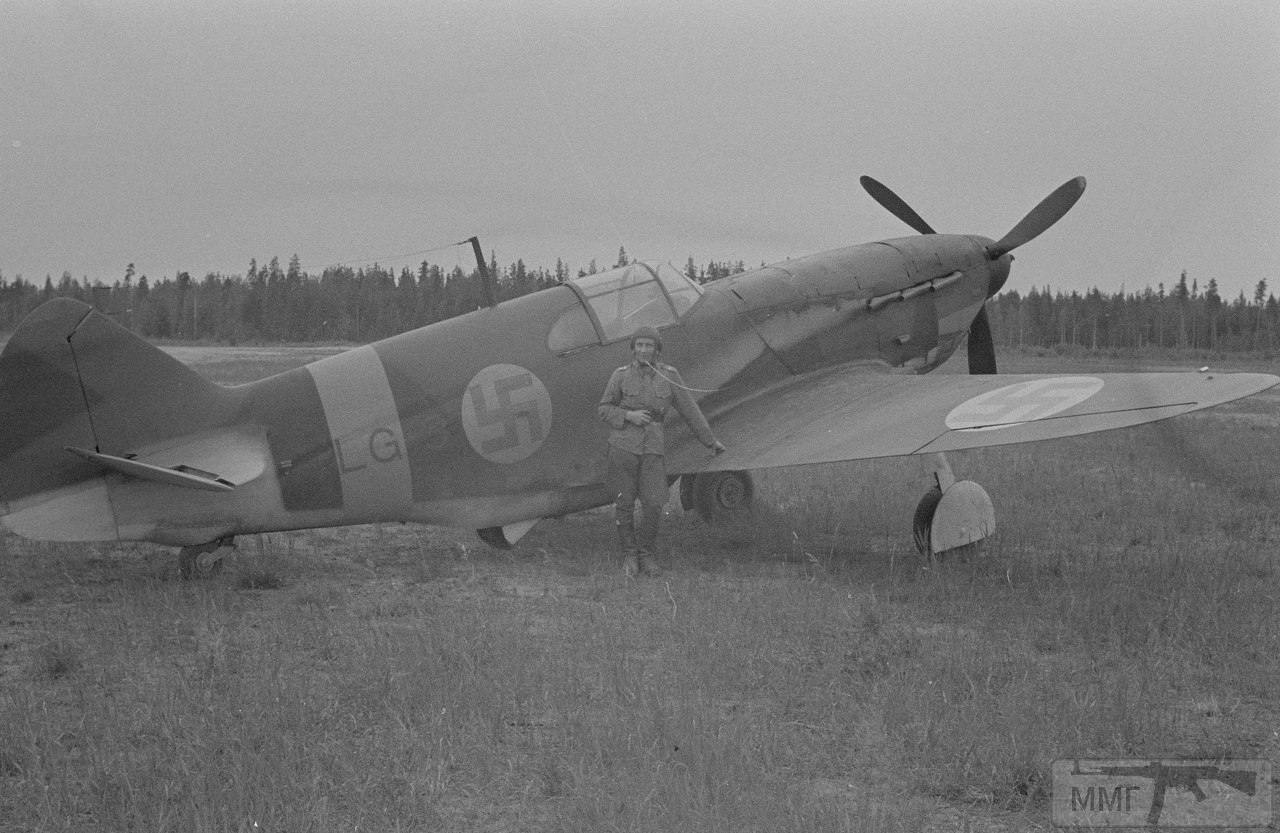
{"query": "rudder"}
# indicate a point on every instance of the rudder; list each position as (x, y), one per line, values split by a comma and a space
(69, 376)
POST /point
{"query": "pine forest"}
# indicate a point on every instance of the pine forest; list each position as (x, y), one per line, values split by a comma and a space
(271, 304)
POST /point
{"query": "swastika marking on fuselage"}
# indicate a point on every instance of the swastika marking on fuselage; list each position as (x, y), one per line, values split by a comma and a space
(506, 413)
(1021, 403)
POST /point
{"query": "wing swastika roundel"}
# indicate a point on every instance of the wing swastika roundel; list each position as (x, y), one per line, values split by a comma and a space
(506, 413)
(1021, 403)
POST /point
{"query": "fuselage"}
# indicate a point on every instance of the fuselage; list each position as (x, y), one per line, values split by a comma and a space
(490, 418)
(484, 419)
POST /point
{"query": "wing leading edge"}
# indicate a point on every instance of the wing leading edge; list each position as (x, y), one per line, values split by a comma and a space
(840, 416)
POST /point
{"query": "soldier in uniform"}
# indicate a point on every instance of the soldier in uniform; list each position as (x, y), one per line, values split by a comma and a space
(636, 401)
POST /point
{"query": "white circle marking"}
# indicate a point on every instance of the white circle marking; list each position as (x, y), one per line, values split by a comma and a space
(1021, 403)
(506, 413)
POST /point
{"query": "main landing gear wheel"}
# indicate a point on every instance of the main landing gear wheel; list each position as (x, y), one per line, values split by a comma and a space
(948, 520)
(204, 560)
(717, 496)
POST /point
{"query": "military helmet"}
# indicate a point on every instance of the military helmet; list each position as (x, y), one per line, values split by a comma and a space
(647, 332)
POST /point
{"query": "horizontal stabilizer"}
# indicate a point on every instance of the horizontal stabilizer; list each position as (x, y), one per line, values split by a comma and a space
(184, 476)
(216, 461)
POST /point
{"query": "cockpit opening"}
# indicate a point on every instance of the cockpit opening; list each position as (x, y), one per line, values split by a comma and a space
(618, 302)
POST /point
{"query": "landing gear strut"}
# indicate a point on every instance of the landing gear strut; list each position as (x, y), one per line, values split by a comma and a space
(952, 514)
(204, 560)
(922, 523)
(718, 496)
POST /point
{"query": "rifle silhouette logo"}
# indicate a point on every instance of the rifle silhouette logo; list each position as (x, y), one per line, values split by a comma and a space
(1246, 778)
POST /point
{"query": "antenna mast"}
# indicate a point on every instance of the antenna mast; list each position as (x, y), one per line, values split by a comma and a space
(486, 280)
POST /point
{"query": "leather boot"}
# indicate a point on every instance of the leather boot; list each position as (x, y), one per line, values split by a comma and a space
(627, 546)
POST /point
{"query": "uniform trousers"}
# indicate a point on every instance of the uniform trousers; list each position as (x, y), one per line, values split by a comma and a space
(642, 476)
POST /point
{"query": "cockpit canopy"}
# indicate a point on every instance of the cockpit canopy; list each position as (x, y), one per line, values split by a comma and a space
(618, 302)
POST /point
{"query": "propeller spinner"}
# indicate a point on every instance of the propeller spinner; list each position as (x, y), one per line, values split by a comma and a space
(982, 354)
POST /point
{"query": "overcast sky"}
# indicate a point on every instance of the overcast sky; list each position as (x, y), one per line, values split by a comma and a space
(194, 136)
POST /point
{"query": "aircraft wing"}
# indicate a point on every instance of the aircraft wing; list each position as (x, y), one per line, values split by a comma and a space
(839, 415)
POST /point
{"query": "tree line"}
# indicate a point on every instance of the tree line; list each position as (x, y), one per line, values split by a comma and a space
(270, 303)
(1185, 318)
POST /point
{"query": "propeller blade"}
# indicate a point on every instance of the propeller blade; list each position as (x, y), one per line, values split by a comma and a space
(982, 352)
(1048, 212)
(894, 204)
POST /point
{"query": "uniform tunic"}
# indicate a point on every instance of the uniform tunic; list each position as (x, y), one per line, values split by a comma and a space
(634, 387)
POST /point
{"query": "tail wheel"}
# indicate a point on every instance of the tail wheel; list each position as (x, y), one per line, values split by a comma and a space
(204, 560)
(719, 496)
(922, 524)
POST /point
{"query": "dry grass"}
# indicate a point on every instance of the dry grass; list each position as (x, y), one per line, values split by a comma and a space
(802, 671)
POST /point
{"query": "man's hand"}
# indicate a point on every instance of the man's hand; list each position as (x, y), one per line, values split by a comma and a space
(717, 447)
(638, 417)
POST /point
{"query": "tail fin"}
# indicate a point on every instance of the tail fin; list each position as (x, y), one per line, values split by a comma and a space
(71, 377)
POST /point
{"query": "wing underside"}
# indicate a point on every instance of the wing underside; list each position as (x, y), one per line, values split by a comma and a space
(855, 416)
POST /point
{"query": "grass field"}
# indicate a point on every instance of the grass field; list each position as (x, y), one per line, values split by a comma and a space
(801, 671)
